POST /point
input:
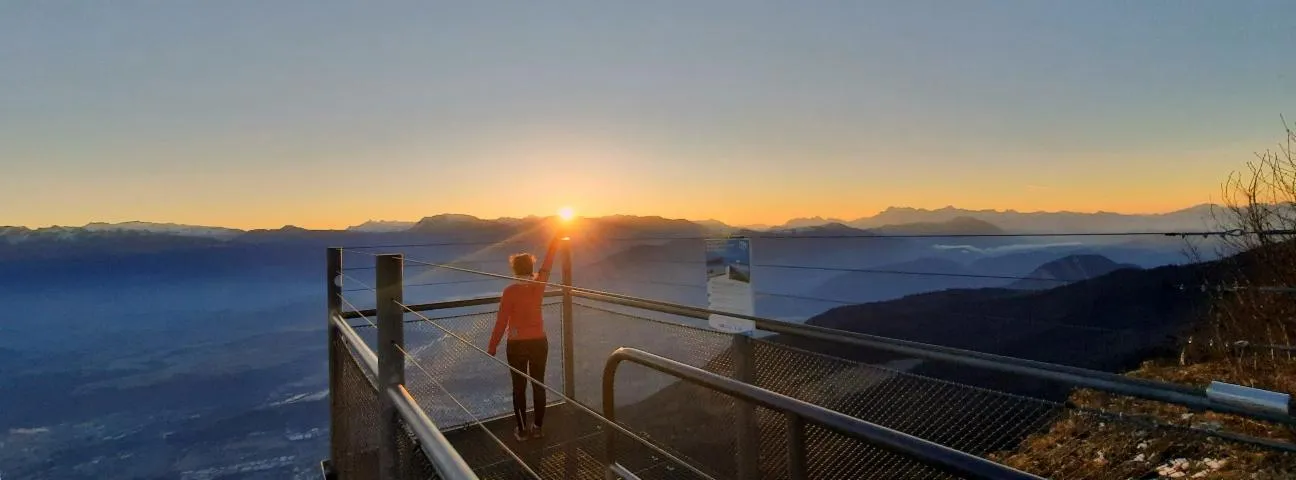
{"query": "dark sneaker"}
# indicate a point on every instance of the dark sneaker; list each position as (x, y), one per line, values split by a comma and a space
(520, 435)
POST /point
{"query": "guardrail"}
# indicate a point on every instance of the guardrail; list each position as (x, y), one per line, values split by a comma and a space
(385, 373)
(446, 305)
(443, 456)
(1194, 398)
(796, 413)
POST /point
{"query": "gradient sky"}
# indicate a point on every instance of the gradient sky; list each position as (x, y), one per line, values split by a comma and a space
(323, 113)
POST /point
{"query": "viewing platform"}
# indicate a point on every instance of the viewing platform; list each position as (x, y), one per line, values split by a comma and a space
(640, 388)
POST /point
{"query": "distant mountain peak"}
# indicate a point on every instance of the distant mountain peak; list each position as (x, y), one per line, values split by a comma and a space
(381, 226)
(1013, 221)
(450, 217)
(805, 222)
(454, 223)
(714, 225)
(833, 228)
(960, 225)
(1071, 268)
(162, 228)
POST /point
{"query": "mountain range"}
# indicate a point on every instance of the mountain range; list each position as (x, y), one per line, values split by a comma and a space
(1199, 217)
(1108, 321)
(914, 221)
(835, 245)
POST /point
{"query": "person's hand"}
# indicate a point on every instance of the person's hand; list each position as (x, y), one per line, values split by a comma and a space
(491, 351)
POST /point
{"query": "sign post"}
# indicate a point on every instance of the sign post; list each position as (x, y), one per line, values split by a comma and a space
(729, 289)
(729, 283)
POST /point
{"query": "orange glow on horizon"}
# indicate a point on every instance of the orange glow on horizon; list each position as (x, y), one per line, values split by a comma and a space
(566, 214)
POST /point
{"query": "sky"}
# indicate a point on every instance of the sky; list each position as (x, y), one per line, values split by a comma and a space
(324, 113)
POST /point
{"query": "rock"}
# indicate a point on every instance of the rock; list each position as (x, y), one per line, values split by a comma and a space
(1213, 426)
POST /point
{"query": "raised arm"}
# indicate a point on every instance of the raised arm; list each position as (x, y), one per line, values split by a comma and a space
(547, 263)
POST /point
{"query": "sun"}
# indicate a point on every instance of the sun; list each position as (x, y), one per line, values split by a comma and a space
(566, 213)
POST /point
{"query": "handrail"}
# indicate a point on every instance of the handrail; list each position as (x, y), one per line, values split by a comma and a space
(444, 457)
(369, 360)
(1192, 397)
(623, 472)
(424, 307)
(1104, 381)
(933, 454)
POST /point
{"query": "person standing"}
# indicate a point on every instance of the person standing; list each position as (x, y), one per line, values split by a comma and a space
(527, 347)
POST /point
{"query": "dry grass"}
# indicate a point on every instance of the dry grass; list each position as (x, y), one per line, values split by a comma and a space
(1083, 445)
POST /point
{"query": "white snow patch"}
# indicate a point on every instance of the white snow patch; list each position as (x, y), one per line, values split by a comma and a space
(302, 397)
(29, 431)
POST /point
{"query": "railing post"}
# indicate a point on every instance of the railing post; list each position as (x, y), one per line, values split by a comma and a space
(334, 283)
(796, 446)
(568, 342)
(333, 289)
(609, 412)
(391, 360)
(568, 350)
(748, 432)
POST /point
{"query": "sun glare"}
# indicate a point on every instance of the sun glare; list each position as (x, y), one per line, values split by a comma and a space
(566, 213)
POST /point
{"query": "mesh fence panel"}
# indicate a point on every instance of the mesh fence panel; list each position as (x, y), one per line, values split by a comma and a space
(412, 463)
(354, 421)
(693, 422)
(959, 416)
(701, 426)
(832, 455)
(597, 332)
(773, 443)
(442, 363)
(457, 385)
(468, 394)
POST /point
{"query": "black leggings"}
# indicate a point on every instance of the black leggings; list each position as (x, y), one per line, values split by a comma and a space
(528, 356)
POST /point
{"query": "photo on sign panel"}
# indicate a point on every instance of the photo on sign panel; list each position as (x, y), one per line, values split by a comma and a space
(729, 283)
(729, 258)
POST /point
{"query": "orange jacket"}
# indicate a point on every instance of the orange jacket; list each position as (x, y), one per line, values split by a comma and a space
(519, 309)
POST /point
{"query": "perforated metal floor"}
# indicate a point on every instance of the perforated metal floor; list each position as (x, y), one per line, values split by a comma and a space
(573, 446)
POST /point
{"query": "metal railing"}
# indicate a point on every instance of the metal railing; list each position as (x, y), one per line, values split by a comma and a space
(397, 407)
(443, 457)
(398, 410)
(445, 305)
(1191, 397)
(796, 412)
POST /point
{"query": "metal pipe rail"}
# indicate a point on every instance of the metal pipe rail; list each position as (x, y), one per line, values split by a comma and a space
(1191, 397)
(797, 412)
(444, 457)
(623, 472)
(424, 307)
(368, 360)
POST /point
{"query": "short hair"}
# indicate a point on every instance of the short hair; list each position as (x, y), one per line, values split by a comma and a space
(522, 263)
